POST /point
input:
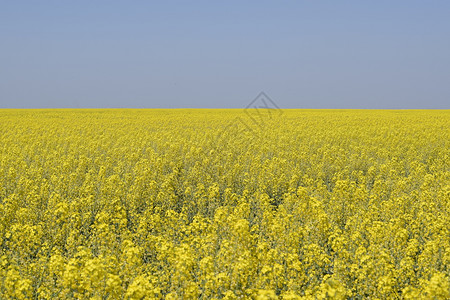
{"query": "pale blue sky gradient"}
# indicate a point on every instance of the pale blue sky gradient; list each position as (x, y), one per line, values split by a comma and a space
(221, 54)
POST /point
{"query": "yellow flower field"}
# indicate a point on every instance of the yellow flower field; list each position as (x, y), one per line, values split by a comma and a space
(224, 204)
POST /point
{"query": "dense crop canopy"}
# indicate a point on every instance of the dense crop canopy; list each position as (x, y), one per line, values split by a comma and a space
(202, 204)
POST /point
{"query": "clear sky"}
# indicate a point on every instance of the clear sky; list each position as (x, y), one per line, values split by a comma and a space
(221, 54)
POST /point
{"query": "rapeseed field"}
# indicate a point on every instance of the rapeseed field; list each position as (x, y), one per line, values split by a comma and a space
(224, 204)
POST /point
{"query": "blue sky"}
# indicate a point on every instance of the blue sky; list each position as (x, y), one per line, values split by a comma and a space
(221, 54)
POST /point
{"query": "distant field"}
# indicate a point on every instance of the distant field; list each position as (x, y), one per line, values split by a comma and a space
(225, 204)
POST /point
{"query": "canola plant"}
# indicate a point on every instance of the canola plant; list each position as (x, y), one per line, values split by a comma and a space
(224, 204)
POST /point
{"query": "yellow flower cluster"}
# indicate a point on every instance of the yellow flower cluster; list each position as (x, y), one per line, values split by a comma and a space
(196, 204)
